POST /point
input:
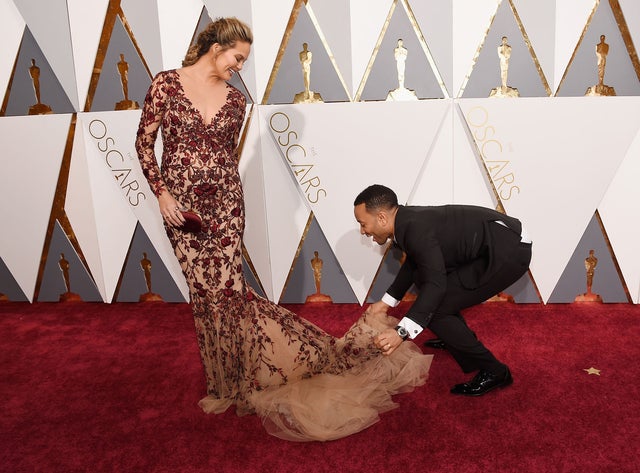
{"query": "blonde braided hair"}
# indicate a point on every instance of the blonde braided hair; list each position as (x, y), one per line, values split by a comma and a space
(224, 31)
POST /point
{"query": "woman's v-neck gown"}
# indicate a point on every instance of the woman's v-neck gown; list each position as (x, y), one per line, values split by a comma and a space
(304, 383)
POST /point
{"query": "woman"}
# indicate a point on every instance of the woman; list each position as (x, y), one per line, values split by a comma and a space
(304, 383)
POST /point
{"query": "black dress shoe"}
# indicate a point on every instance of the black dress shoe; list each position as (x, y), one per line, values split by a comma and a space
(435, 343)
(482, 383)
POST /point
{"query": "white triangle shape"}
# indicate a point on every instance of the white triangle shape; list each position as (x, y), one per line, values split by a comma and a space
(142, 18)
(535, 18)
(79, 208)
(434, 185)
(287, 212)
(471, 183)
(111, 139)
(86, 20)
(471, 21)
(49, 23)
(256, 235)
(631, 12)
(619, 210)
(178, 21)
(102, 221)
(330, 149)
(34, 146)
(526, 142)
(269, 22)
(571, 19)
(11, 31)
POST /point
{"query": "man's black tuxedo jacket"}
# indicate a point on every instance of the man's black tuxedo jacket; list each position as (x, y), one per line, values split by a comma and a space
(442, 239)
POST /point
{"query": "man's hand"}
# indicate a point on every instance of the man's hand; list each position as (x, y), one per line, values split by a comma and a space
(388, 340)
(377, 308)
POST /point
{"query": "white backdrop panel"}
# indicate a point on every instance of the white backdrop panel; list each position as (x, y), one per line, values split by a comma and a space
(178, 21)
(471, 21)
(367, 20)
(619, 211)
(142, 17)
(336, 150)
(32, 151)
(471, 183)
(100, 218)
(287, 214)
(49, 23)
(571, 17)
(256, 236)
(535, 18)
(85, 21)
(434, 185)
(269, 21)
(112, 136)
(527, 142)
(11, 30)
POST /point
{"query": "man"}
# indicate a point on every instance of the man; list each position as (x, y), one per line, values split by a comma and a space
(457, 256)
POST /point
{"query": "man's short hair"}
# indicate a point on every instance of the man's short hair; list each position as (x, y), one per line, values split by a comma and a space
(376, 197)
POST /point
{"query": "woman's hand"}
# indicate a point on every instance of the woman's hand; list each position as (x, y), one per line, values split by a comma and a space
(387, 341)
(170, 209)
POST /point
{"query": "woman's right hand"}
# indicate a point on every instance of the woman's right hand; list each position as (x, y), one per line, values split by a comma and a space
(170, 209)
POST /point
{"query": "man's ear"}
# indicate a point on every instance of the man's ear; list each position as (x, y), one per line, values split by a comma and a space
(383, 218)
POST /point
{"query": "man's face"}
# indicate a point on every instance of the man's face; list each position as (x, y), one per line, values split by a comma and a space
(375, 225)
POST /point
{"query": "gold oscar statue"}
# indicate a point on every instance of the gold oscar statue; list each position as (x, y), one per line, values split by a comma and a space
(401, 93)
(39, 108)
(308, 96)
(316, 264)
(123, 70)
(68, 296)
(148, 296)
(590, 264)
(602, 49)
(504, 53)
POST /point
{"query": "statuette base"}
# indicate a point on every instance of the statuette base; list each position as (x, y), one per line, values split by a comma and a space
(504, 92)
(40, 109)
(318, 298)
(303, 97)
(600, 90)
(401, 95)
(127, 105)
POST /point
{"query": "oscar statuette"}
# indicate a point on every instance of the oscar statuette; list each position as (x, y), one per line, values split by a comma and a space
(67, 296)
(590, 264)
(148, 296)
(308, 96)
(600, 89)
(316, 264)
(123, 71)
(39, 108)
(401, 93)
(504, 91)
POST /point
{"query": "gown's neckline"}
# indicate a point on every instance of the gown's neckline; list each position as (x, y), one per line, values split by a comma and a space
(195, 109)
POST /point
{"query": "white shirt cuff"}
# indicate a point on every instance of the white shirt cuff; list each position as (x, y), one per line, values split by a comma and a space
(413, 328)
(390, 301)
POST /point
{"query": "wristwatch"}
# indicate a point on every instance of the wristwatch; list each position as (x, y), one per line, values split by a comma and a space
(402, 332)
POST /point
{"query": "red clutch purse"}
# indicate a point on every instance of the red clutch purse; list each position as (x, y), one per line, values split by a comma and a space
(193, 221)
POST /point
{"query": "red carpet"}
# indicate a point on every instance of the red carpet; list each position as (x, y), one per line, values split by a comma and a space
(114, 388)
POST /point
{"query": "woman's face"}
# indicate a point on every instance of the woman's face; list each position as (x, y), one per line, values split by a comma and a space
(229, 61)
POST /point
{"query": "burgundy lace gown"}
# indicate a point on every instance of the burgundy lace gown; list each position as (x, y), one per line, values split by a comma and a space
(304, 383)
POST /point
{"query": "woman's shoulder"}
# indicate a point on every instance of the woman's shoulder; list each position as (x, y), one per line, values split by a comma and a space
(235, 95)
(169, 76)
